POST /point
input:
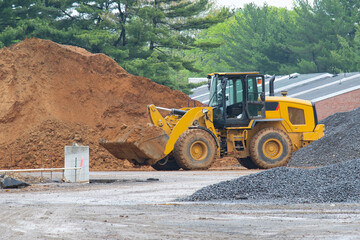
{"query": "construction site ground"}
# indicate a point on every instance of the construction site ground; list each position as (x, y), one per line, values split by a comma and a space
(56, 95)
(142, 205)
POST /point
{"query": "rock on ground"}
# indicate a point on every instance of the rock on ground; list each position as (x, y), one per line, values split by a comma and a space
(9, 182)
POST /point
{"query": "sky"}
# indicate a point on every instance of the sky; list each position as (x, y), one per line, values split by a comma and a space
(239, 3)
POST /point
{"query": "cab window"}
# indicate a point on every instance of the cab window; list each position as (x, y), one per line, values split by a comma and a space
(296, 116)
(239, 91)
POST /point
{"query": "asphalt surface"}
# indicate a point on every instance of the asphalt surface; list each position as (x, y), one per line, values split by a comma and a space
(141, 205)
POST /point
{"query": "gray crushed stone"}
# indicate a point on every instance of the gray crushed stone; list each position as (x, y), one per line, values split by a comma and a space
(340, 143)
(329, 184)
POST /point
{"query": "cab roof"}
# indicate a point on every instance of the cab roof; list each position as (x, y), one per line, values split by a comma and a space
(232, 73)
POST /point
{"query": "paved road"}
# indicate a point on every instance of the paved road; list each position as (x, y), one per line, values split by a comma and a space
(136, 207)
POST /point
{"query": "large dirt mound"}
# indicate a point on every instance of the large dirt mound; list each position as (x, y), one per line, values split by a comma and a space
(340, 143)
(334, 183)
(52, 95)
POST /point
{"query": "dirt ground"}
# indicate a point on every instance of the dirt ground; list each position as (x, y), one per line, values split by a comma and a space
(141, 205)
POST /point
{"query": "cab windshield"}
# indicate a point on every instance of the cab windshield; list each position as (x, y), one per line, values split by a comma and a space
(233, 91)
(242, 95)
(215, 92)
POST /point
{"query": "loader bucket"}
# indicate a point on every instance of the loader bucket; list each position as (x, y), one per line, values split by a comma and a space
(145, 145)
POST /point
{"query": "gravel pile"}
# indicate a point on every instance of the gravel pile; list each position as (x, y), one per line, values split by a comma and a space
(340, 143)
(334, 183)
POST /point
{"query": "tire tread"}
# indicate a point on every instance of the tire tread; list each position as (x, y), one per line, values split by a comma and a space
(254, 154)
(181, 145)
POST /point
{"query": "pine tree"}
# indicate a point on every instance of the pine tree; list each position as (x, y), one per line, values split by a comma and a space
(165, 28)
(34, 18)
(146, 37)
(319, 27)
(256, 40)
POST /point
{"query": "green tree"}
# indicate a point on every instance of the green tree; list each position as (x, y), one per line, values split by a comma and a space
(319, 28)
(146, 37)
(347, 57)
(322, 37)
(167, 28)
(44, 19)
(256, 39)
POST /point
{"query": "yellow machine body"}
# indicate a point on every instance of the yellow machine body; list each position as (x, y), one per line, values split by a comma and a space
(301, 129)
(260, 131)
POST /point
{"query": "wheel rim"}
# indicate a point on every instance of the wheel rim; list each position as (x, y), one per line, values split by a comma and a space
(272, 148)
(198, 150)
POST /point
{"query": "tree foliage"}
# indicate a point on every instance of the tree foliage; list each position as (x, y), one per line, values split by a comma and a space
(143, 36)
(170, 40)
(322, 37)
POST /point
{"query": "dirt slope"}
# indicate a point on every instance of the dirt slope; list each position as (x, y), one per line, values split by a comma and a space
(52, 95)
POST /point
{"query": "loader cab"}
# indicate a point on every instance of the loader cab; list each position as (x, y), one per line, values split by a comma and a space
(236, 98)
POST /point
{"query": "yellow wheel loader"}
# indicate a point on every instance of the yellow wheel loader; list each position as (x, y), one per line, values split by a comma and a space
(240, 121)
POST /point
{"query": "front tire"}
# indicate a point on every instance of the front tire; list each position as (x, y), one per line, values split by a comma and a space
(195, 150)
(270, 148)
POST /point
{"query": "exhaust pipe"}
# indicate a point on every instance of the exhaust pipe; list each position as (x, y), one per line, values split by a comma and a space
(271, 85)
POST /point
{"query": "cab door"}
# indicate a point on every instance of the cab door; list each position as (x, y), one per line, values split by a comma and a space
(255, 96)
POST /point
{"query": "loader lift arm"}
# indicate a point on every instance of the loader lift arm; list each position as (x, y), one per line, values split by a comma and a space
(196, 117)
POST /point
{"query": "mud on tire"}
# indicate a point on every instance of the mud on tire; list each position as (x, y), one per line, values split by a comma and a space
(270, 147)
(195, 150)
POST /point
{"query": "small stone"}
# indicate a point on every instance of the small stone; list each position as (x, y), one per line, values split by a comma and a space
(152, 179)
(241, 197)
(77, 138)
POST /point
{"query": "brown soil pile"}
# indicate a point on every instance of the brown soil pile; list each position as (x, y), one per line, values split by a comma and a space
(137, 133)
(53, 95)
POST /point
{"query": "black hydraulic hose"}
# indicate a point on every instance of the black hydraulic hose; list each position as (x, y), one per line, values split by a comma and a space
(173, 111)
(178, 112)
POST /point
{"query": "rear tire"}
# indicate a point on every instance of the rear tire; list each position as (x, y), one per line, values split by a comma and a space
(166, 164)
(195, 150)
(270, 147)
(247, 163)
